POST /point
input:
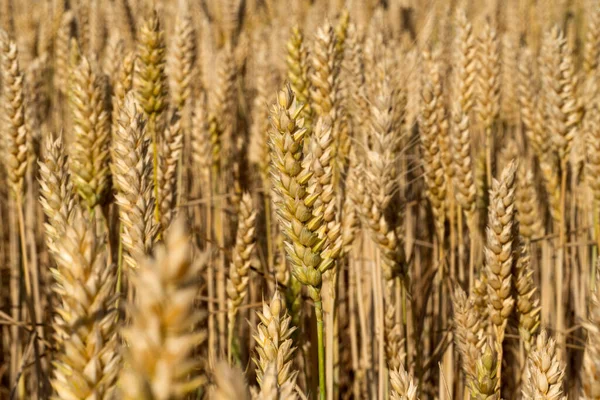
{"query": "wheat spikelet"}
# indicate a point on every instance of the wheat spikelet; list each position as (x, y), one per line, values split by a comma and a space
(297, 73)
(488, 100)
(17, 136)
(168, 162)
(464, 184)
(357, 106)
(499, 247)
(435, 177)
(324, 73)
(132, 175)
(200, 137)
(237, 284)
(223, 102)
(182, 58)
(160, 338)
(590, 372)
(83, 26)
(230, 383)
(468, 331)
(402, 385)
(528, 303)
(110, 63)
(550, 174)
(85, 328)
(274, 343)
(271, 390)
(394, 344)
(56, 191)
(294, 205)
(89, 159)
(526, 201)
(545, 371)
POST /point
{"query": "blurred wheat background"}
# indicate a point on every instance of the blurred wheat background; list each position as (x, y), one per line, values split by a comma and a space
(299, 199)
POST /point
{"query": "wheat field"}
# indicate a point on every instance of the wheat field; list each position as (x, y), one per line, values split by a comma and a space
(299, 199)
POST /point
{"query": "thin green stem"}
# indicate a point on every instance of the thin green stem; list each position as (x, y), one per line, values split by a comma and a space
(321, 347)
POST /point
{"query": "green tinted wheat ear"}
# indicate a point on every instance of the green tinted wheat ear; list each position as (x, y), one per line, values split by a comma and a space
(590, 372)
(132, 176)
(56, 191)
(466, 62)
(485, 384)
(89, 158)
(402, 385)
(324, 73)
(17, 136)
(545, 371)
(88, 361)
(237, 284)
(160, 339)
(182, 57)
(528, 303)
(274, 342)
(297, 74)
(150, 80)
(168, 162)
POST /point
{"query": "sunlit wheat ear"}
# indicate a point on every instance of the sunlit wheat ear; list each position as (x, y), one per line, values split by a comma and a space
(591, 44)
(324, 73)
(88, 361)
(56, 191)
(230, 383)
(394, 344)
(528, 303)
(297, 74)
(17, 137)
(469, 335)
(160, 338)
(274, 342)
(132, 175)
(322, 185)
(357, 105)
(545, 371)
(89, 157)
(465, 57)
(182, 55)
(590, 372)
(123, 83)
(245, 242)
(200, 140)
(499, 248)
(402, 385)
(168, 164)
(488, 99)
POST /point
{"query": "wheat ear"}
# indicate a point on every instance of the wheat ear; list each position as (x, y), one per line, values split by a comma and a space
(485, 385)
(324, 73)
(402, 385)
(469, 335)
(160, 338)
(237, 282)
(466, 62)
(274, 342)
(56, 191)
(230, 383)
(271, 390)
(528, 303)
(545, 371)
(89, 159)
(464, 184)
(168, 164)
(528, 205)
(88, 363)
(132, 175)
(298, 73)
(182, 58)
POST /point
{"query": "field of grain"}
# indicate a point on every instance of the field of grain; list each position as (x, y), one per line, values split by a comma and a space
(299, 199)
